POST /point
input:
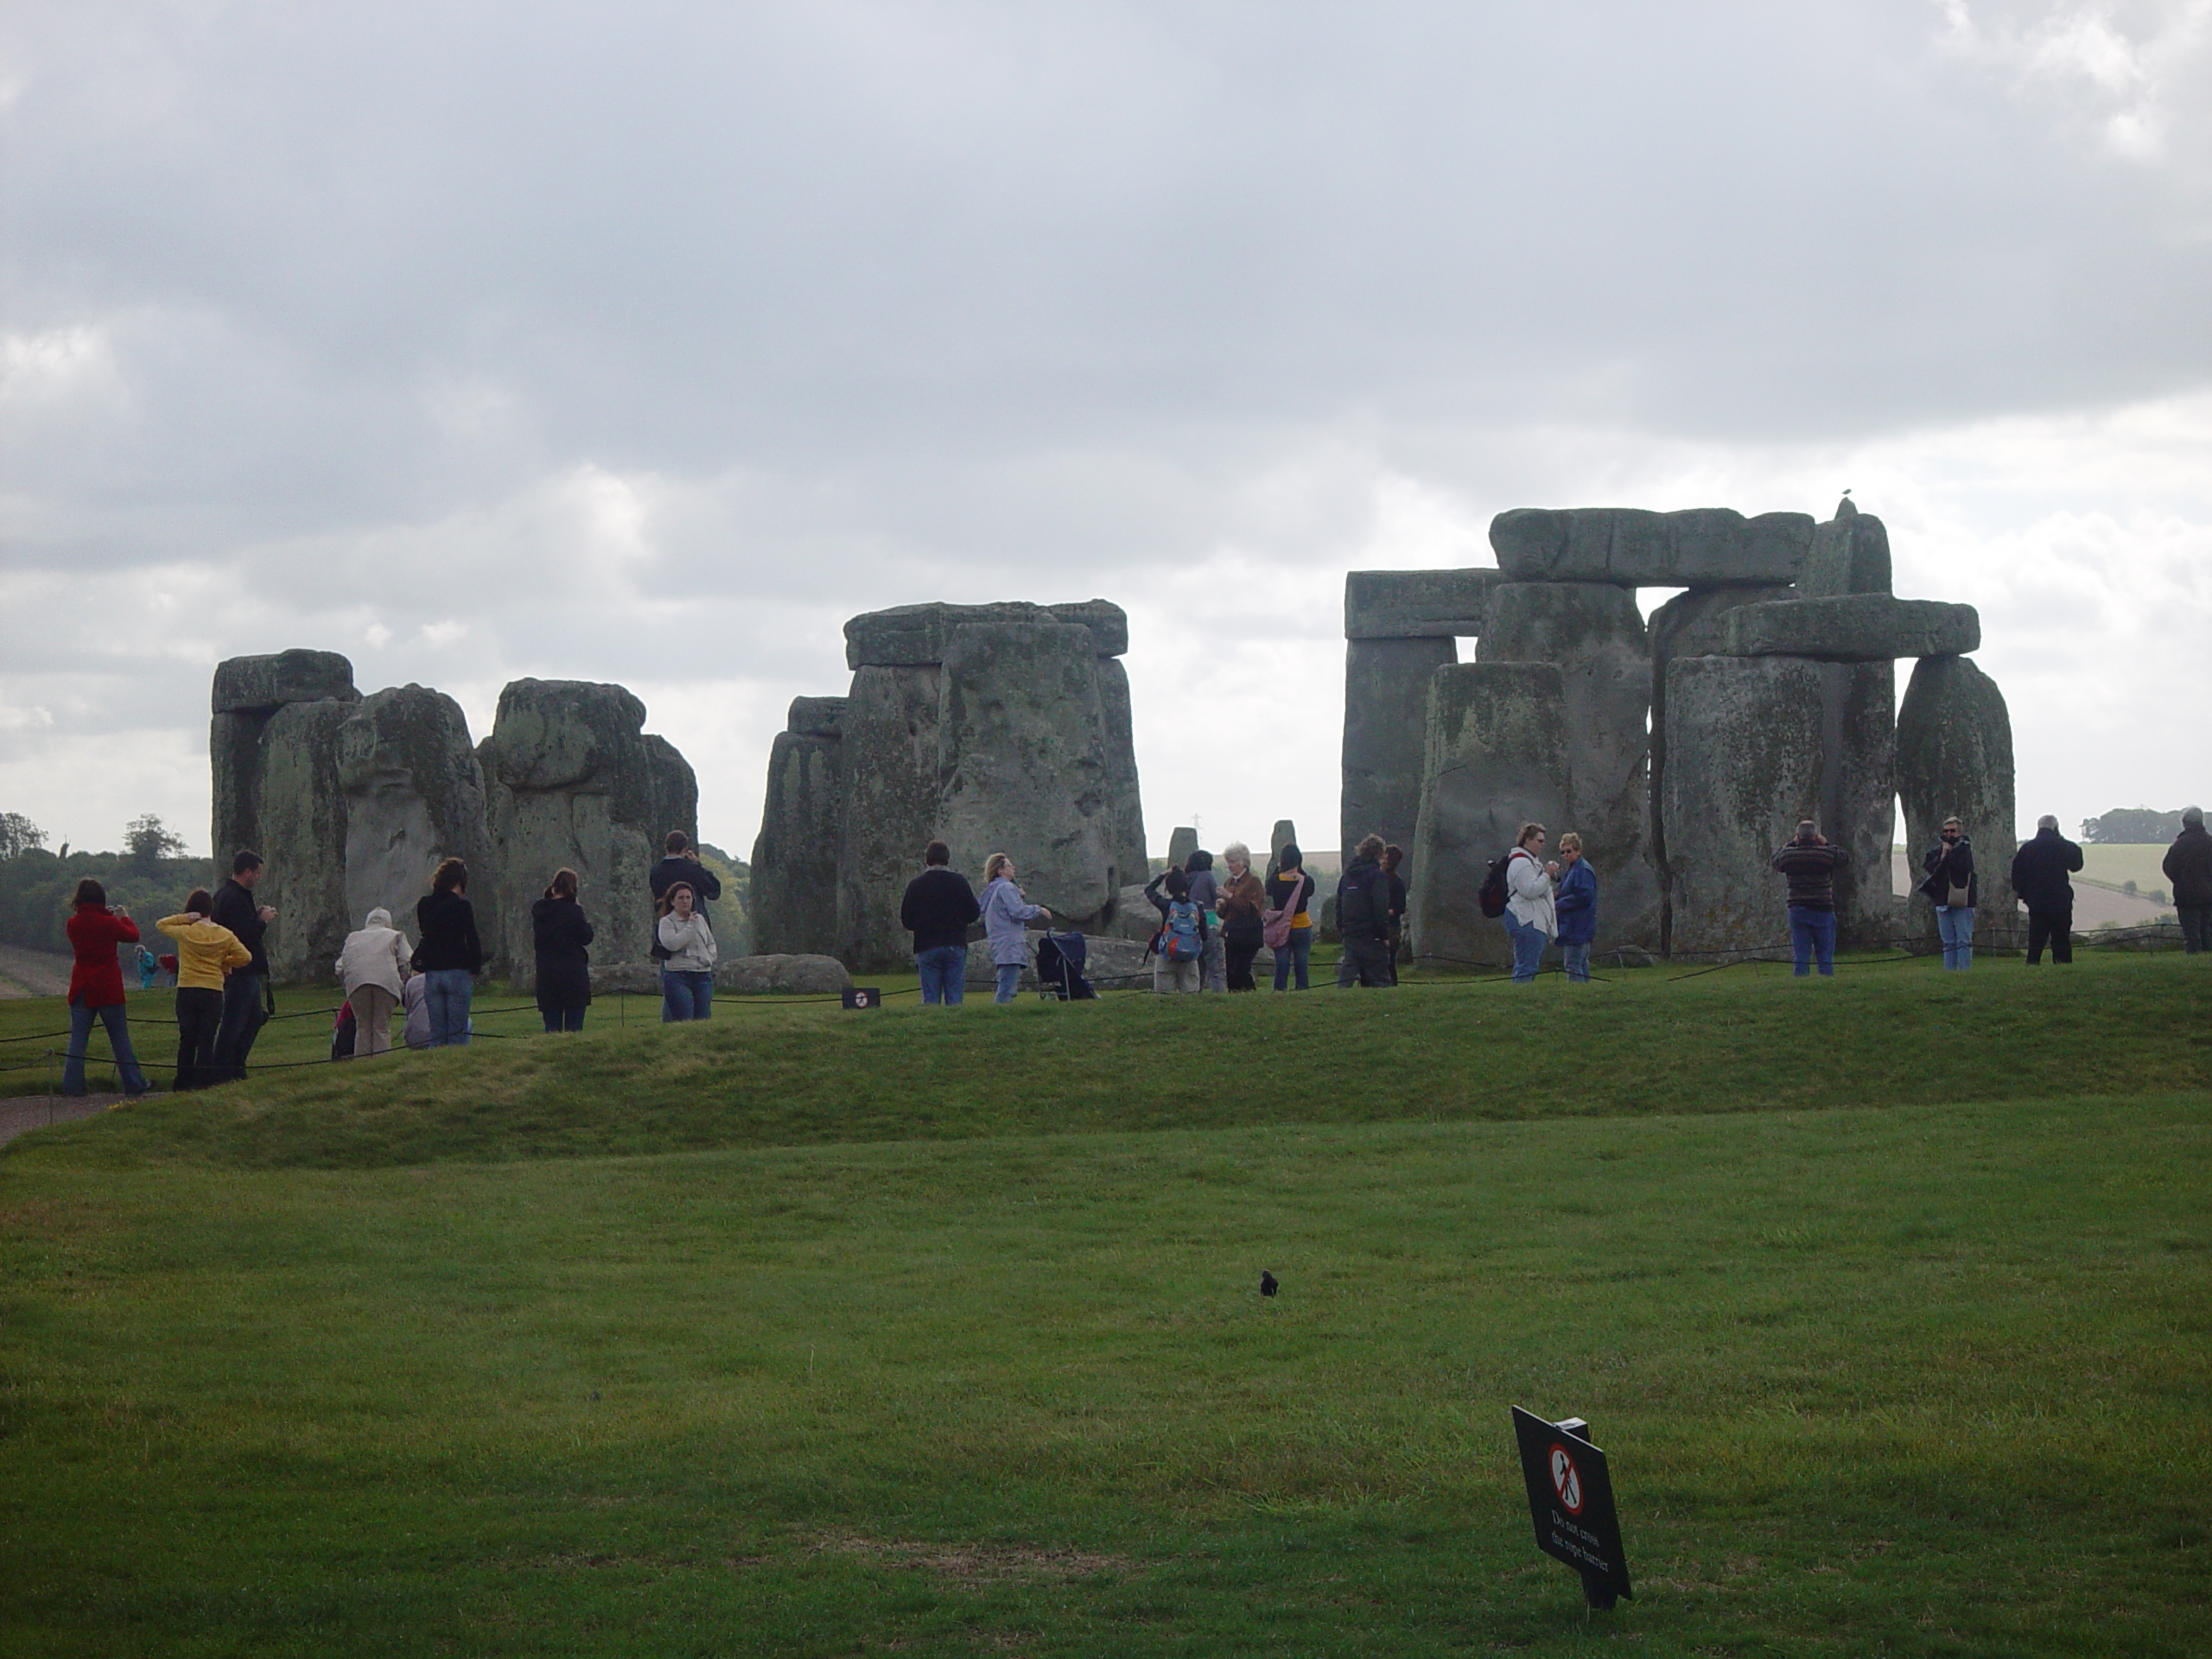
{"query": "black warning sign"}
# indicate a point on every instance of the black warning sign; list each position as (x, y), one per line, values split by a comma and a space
(1571, 1503)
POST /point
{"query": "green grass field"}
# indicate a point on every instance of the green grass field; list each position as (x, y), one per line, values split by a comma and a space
(2118, 864)
(810, 1332)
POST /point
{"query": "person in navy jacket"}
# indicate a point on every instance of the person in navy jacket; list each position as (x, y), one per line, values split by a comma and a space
(1576, 905)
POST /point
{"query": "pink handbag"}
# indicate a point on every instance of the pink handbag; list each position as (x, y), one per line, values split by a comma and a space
(1275, 924)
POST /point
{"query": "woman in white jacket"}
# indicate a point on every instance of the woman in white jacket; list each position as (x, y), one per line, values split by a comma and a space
(372, 967)
(687, 979)
(1530, 921)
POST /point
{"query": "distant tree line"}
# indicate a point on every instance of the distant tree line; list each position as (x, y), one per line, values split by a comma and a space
(147, 877)
(2133, 826)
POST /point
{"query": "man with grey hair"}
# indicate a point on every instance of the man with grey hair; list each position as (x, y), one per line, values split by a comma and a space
(2188, 867)
(2039, 872)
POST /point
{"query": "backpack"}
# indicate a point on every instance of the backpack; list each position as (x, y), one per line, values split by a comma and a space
(1492, 895)
(1178, 934)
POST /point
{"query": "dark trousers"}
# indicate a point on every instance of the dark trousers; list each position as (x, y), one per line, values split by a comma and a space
(1365, 962)
(2054, 927)
(2196, 927)
(199, 1022)
(242, 1018)
(570, 1017)
(1237, 960)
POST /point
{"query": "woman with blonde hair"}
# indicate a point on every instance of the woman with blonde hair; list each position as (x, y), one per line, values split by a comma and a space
(1575, 904)
(1005, 914)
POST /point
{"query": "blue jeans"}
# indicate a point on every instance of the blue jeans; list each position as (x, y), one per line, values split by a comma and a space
(1577, 958)
(685, 993)
(447, 991)
(1294, 956)
(944, 968)
(243, 1016)
(1009, 980)
(1528, 944)
(116, 1018)
(1955, 924)
(1812, 932)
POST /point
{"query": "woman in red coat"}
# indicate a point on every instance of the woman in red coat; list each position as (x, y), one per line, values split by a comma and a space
(96, 987)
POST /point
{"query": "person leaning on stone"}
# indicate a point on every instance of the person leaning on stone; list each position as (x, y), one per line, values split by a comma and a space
(1952, 888)
(372, 970)
(1241, 899)
(2039, 872)
(939, 910)
(561, 936)
(1808, 863)
(1363, 919)
(1576, 905)
(450, 953)
(2188, 867)
(1531, 917)
(1005, 914)
(681, 863)
(247, 995)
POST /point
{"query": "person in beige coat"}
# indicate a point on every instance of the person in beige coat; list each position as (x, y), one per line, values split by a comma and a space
(373, 968)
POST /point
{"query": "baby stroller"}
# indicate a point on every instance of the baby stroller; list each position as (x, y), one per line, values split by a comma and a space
(1060, 958)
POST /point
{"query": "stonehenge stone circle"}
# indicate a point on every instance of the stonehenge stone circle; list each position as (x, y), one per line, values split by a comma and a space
(1001, 728)
(354, 801)
(1182, 842)
(1786, 628)
(1954, 760)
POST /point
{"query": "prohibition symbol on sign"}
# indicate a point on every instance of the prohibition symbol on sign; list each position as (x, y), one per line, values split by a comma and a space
(1566, 1480)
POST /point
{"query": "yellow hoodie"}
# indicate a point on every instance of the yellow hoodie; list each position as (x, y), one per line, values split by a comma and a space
(205, 952)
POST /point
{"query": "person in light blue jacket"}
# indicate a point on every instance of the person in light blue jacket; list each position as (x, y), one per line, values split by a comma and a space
(1006, 913)
(1576, 905)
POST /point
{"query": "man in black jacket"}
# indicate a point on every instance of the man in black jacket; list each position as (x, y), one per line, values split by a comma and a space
(1363, 919)
(2188, 867)
(244, 1010)
(2039, 872)
(939, 910)
(682, 864)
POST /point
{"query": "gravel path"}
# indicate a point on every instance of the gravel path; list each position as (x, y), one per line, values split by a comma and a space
(29, 1112)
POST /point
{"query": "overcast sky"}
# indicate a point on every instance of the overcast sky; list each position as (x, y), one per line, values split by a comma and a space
(646, 343)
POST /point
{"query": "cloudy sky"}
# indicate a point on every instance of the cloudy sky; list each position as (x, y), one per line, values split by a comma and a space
(646, 343)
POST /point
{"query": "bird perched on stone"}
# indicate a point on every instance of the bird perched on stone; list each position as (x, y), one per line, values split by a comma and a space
(1268, 1283)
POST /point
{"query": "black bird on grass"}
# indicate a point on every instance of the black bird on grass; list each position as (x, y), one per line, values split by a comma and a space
(1268, 1283)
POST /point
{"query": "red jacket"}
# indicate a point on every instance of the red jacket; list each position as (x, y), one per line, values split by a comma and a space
(97, 980)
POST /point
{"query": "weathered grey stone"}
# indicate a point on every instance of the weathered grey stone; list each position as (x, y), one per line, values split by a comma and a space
(795, 859)
(1285, 832)
(1124, 799)
(1417, 604)
(889, 811)
(415, 796)
(1497, 758)
(1021, 762)
(1134, 916)
(816, 718)
(1182, 842)
(1113, 962)
(1595, 634)
(1694, 624)
(1745, 759)
(630, 979)
(1850, 554)
(782, 974)
(573, 781)
(301, 831)
(917, 636)
(1697, 547)
(1385, 720)
(1954, 760)
(1855, 628)
(265, 684)
(234, 758)
(1859, 795)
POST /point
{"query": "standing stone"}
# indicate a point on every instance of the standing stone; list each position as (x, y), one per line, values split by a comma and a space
(1182, 842)
(1595, 634)
(573, 781)
(1386, 718)
(794, 908)
(1497, 758)
(301, 831)
(888, 755)
(1021, 762)
(1954, 760)
(1124, 798)
(246, 692)
(1850, 554)
(1744, 762)
(1859, 795)
(413, 796)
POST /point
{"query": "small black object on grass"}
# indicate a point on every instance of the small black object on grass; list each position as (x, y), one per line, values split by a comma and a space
(1268, 1283)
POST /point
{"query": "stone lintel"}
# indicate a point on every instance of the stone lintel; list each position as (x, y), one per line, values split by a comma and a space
(1855, 628)
(261, 685)
(816, 718)
(1418, 604)
(1697, 546)
(915, 636)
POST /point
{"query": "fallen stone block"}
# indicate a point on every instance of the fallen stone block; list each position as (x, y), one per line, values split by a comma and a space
(782, 975)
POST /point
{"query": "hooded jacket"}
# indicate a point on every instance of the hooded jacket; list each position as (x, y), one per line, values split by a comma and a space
(559, 931)
(1576, 903)
(1529, 891)
(1004, 911)
(688, 941)
(205, 951)
(374, 956)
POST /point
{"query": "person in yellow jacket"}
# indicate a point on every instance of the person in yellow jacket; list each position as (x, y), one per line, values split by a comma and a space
(207, 951)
